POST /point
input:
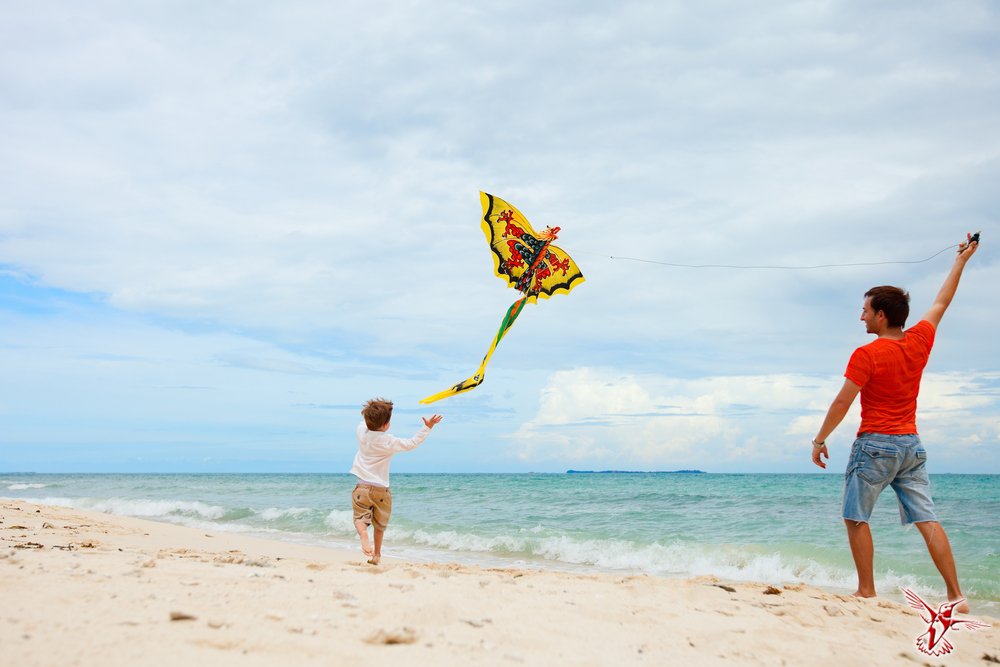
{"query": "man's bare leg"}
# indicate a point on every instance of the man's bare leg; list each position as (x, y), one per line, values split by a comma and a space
(377, 556)
(940, 550)
(859, 534)
(362, 528)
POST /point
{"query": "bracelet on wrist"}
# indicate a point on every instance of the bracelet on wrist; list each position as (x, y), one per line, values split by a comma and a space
(818, 445)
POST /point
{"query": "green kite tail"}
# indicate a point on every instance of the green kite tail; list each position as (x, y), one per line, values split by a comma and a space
(477, 379)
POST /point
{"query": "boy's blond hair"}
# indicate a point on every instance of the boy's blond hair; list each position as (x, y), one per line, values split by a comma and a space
(377, 413)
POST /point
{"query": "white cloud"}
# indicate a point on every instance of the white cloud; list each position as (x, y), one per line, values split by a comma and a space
(603, 419)
(957, 418)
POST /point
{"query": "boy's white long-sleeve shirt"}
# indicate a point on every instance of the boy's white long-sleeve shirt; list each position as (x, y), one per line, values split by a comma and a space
(375, 451)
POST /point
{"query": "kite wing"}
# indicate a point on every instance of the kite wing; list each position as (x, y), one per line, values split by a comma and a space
(524, 258)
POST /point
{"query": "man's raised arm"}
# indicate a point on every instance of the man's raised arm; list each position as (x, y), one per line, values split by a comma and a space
(947, 291)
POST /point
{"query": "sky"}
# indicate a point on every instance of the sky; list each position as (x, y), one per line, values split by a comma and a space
(225, 226)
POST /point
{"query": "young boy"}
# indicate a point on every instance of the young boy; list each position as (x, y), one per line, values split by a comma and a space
(371, 498)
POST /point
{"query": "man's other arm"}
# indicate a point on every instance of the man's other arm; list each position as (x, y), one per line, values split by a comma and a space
(838, 410)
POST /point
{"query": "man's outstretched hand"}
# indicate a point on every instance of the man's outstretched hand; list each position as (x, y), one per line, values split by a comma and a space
(968, 248)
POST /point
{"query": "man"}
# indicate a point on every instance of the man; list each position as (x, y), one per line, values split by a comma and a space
(887, 451)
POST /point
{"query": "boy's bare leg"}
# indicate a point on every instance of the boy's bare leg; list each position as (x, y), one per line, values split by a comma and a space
(859, 534)
(362, 528)
(940, 550)
(377, 556)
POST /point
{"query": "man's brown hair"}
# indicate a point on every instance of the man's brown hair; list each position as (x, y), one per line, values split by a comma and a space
(377, 413)
(892, 301)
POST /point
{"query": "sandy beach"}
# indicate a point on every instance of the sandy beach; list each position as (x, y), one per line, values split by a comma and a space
(84, 588)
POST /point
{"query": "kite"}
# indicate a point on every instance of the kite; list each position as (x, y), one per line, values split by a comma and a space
(528, 262)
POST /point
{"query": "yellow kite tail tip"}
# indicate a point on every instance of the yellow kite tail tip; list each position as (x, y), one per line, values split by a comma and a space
(433, 398)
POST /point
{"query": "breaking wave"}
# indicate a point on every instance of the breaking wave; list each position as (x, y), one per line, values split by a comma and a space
(147, 509)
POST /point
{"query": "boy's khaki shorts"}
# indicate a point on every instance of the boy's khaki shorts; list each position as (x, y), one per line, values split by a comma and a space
(372, 504)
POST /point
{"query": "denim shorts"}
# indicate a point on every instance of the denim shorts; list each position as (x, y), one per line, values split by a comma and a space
(879, 460)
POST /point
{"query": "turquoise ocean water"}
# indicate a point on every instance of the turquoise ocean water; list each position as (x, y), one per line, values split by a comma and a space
(768, 528)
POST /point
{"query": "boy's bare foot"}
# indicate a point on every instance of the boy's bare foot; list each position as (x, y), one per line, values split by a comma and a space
(366, 542)
(374, 560)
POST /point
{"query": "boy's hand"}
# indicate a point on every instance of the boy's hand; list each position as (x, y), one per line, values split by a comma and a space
(429, 423)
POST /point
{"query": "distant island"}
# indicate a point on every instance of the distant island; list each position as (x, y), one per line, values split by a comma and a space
(635, 472)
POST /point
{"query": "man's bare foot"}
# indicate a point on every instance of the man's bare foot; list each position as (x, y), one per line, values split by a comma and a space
(859, 594)
(962, 608)
(366, 549)
(374, 560)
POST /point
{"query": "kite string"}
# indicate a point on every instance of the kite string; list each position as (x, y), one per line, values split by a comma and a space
(789, 268)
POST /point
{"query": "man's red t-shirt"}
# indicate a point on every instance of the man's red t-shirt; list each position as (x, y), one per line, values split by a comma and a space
(888, 372)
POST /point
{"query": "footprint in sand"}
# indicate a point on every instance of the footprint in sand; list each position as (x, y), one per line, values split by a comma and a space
(390, 637)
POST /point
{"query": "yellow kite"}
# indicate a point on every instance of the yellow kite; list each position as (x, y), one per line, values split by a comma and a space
(529, 263)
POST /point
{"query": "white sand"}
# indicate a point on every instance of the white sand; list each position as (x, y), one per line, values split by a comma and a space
(83, 588)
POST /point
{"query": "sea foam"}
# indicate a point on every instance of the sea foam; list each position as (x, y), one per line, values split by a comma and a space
(150, 509)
